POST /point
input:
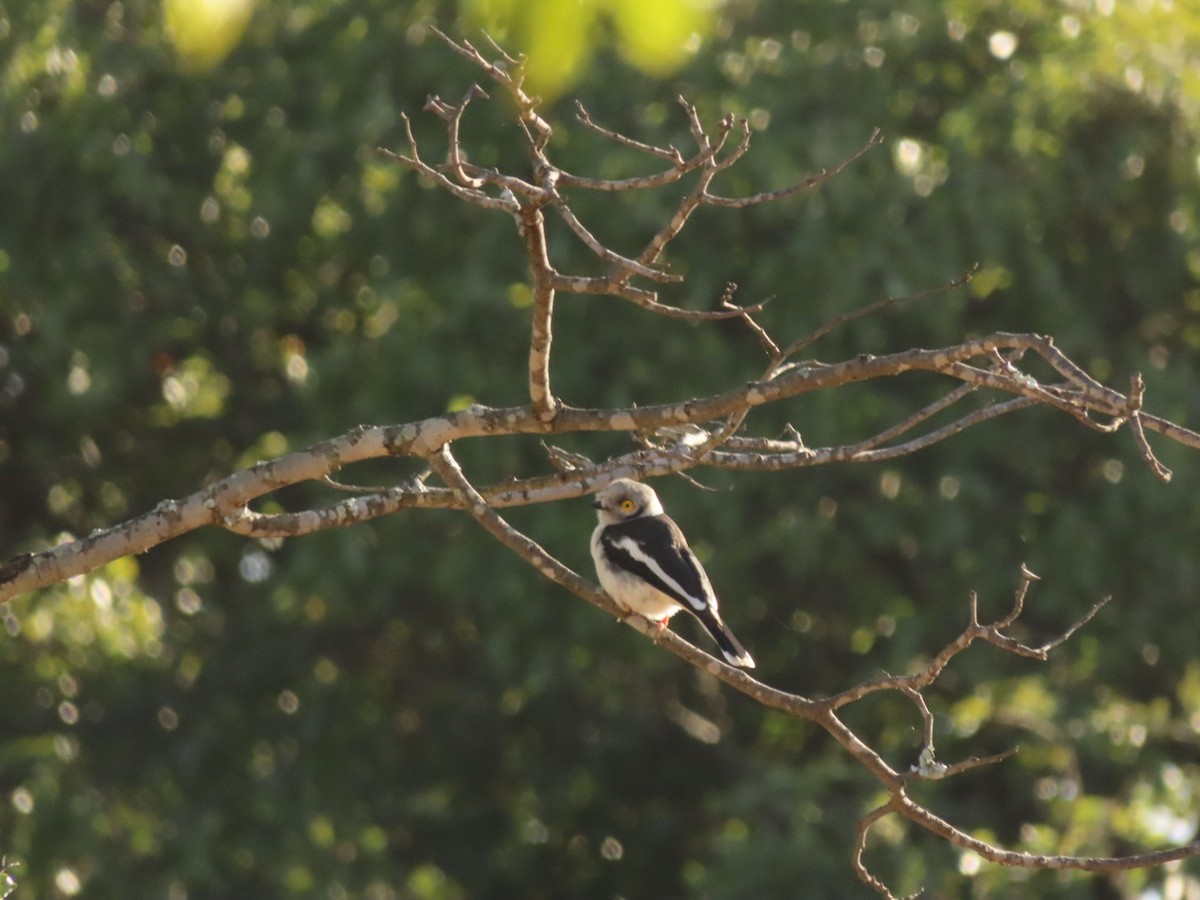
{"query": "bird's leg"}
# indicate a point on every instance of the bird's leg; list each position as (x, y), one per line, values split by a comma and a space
(659, 627)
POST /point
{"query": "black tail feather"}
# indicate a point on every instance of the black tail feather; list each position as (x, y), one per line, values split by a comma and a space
(731, 648)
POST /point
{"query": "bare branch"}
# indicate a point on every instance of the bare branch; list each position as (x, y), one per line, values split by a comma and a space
(918, 814)
(1137, 391)
(746, 312)
(453, 116)
(903, 805)
(227, 497)
(789, 456)
(965, 765)
(927, 753)
(878, 306)
(469, 195)
(809, 183)
(925, 413)
(647, 300)
(630, 266)
(991, 633)
(860, 846)
(447, 468)
(541, 395)
(638, 183)
(679, 165)
(993, 636)
(538, 127)
(693, 199)
(670, 154)
(511, 61)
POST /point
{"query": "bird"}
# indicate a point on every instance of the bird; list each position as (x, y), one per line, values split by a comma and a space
(644, 563)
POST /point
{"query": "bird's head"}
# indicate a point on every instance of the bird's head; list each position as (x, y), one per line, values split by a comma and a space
(625, 499)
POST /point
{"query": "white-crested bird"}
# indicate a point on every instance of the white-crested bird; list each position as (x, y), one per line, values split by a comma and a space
(644, 563)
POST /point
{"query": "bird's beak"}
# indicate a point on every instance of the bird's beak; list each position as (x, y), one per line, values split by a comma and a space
(597, 504)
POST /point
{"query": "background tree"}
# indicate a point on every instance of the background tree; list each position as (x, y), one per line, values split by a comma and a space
(335, 714)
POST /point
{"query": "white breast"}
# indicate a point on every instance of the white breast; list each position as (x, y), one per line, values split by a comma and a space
(630, 591)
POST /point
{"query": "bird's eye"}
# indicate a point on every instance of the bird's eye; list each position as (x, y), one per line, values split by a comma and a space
(627, 505)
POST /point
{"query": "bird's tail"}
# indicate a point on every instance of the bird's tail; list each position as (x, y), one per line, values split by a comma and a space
(731, 648)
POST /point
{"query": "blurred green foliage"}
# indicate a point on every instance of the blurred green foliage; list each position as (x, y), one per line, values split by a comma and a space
(557, 39)
(205, 262)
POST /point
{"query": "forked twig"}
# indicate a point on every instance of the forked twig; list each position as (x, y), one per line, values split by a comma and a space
(1137, 391)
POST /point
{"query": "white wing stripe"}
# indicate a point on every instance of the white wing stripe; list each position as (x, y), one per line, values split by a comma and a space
(634, 549)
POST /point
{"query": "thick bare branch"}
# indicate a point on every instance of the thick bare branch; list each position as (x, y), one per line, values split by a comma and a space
(447, 468)
(533, 232)
(225, 498)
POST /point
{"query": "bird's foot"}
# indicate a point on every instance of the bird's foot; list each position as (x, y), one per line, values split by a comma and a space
(660, 625)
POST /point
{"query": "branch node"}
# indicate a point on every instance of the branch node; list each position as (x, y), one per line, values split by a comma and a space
(564, 460)
(1137, 391)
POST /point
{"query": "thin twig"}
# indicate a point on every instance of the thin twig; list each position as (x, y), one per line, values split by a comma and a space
(879, 305)
(992, 633)
(860, 846)
(670, 154)
(807, 184)
(469, 195)
(453, 117)
(647, 300)
(692, 199)
(630, 266)
(789, 457)
(1137, 391)
(538, 127)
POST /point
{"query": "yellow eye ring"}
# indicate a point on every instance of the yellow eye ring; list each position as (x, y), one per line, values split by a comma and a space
(627, 505)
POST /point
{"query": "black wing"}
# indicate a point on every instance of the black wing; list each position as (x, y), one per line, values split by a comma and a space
(654, 549)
